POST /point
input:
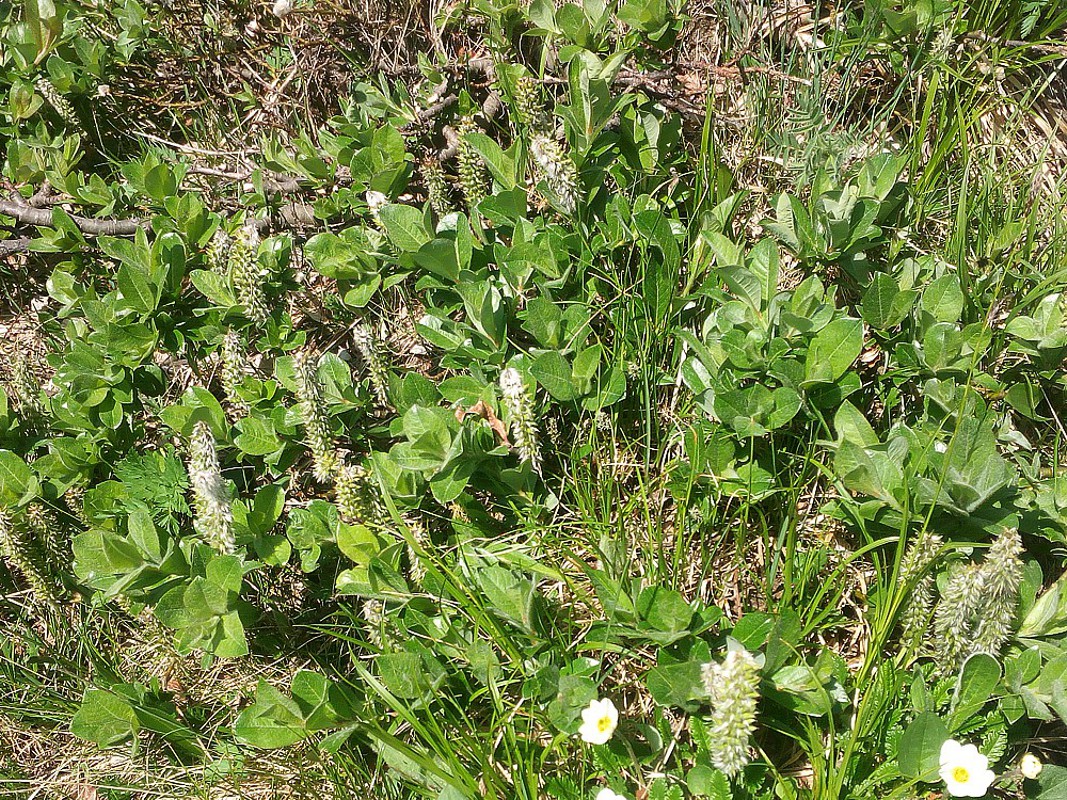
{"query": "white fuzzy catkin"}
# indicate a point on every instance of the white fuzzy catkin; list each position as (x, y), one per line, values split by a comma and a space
(376, 201)
(733, 687)
(518, 404)
(211, 500)
(556, 168)
(371, 352)
(313, 414)
(247, 274)
(232, 370)
(61, 105)
(919, 606)
(977, 608)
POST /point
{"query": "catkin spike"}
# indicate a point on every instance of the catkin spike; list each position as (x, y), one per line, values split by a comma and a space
(357, 496)
(61, 105)
(74, 497)
(977, 609)
(518, 405)
(374, 616)
(218, 251)
(233, 370)
(919, 607)
(247, 274)
(49, 533)
(416, 568)
(371, 352)
(555, 167)
(375, 202)
(433, 178)
(529, 110)
(473, 178)
(25, 388)
(18, 549)
(211, 500)
(733, 687)
(312, 412)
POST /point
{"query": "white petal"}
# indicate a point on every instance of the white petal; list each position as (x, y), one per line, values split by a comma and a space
(950, 751)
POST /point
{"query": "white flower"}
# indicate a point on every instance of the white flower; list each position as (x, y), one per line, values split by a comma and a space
(599, 721)
(607, 794)
(283, 8)
(964, 770)
(1030, 766)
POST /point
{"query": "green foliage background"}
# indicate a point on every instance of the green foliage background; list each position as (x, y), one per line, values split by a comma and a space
(773, 334)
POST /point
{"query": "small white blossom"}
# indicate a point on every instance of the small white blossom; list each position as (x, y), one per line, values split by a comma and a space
(282, 8)
(599, 721)
(964, 770)
(608, 794)
(1030, 766)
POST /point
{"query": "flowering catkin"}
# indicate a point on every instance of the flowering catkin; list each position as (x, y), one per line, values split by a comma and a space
(20, 553)
(313, 414)
(436, 188)
(919, 607)
(473, 178)
(978, 606)
(733, 687)
(528, 108)
(375, 202)
(218, 251)
(556, 168)
(61, 105)
(247, 275)
(1003, 574)
(25, 388)
(211, 501)
(233, 370)
(422, 541)
(357, 496)
(50, 535)
(367, 344)
(518, 406)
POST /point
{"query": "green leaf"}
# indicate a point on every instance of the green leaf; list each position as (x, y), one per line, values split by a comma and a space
(509, 595)
(501, 165)
(104, 718)
(552, 372)
(45, 24)
(850, 424)
(978, 679)
(404, 674)
(405, 226)
(704, 781)
(919, 750)
(833, 350)
(273, 721)
(257, 436)
(943, 299)
(17, 481)
(879, 301)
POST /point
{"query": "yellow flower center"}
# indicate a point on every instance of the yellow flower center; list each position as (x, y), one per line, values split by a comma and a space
(961, 775)
(603, 724)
